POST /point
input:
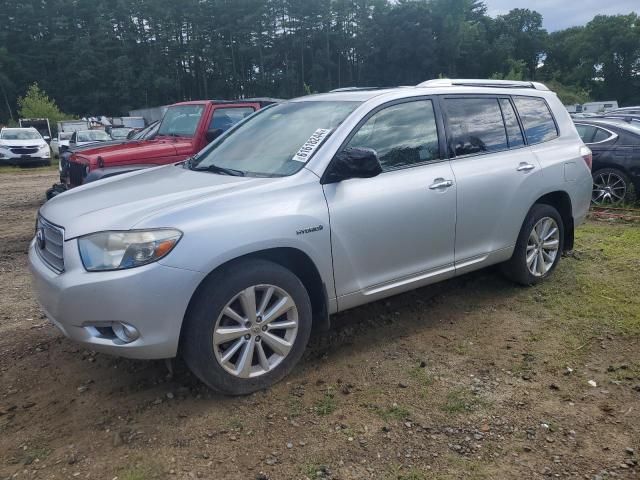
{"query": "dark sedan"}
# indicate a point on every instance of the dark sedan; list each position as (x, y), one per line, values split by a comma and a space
(615, 144)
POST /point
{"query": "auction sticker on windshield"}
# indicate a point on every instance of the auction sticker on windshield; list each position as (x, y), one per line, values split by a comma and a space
(311, 145)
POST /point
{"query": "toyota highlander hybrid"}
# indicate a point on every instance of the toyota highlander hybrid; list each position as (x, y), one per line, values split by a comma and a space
(306, 208)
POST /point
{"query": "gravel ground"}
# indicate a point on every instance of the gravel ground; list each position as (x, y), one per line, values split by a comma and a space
(471, 378)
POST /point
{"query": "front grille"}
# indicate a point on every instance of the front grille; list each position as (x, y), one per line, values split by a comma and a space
(23, 150)
(77, 172)
(52, 253)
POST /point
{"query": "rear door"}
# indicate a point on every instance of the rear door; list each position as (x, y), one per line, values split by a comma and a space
(497, 176)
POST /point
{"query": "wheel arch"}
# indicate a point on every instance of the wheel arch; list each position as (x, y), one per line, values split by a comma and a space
(297, 262)
(561, 201)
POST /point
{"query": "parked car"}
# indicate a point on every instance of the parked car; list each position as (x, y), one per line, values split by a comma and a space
(310, 207)
(60, 143)
(185, 129)
(615, 144)
(40, 124)
(63, 166)
(88, 137)
(23, 147)
(627, 110)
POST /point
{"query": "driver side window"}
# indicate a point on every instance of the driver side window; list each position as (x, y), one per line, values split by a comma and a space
(402, 135)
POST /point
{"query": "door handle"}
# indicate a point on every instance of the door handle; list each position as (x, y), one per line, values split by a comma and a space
(440, 183)
(525, 167)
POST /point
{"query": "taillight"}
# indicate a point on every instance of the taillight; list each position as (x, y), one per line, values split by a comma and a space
(585, 153)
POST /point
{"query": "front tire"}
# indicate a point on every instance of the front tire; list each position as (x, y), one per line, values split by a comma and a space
(247, 327)
(538, 248)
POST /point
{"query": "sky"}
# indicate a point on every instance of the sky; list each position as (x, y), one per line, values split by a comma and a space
(559, 14)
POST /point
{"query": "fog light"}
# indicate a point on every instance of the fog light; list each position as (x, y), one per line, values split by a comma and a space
(125, 333)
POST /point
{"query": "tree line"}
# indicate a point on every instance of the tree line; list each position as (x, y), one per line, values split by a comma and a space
(109, 56)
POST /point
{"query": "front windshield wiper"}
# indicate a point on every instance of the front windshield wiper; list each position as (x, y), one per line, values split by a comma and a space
(221, 170)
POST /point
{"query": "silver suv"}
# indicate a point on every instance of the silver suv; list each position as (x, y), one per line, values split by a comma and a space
(307, 208)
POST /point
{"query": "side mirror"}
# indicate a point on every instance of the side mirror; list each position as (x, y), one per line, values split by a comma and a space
(46, 138)
(353, 163)
(213, 134)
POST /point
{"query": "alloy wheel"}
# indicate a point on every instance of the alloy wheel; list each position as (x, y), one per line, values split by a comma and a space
(255, 331)
(608, 189)
(543, 246)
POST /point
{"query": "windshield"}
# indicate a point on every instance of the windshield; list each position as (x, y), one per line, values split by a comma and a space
(277, 141)
(119, 133)
(181, 120)
(93, 136)
(16, 134)
(65, 135)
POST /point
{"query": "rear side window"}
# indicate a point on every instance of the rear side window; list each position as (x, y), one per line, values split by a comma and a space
(225, 118)
(514, 133)
(586, 132)
(476, 125)
(536, 118)
(601, 135)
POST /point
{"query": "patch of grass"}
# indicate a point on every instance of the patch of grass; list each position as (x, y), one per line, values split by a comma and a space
(35, 453)
(395, 412)
(462, 400)
(139, 472)
(594, 291)
(236, 424)
(18, 170)
(421, 376)
(295, 407)
(625, 373)
(314, 470)
(327, 404)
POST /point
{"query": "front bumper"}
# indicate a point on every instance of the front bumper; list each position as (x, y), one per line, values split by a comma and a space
(18, 160)
(152, 298)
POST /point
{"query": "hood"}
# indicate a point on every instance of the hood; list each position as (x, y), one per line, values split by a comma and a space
(121, 202)
(23, 143)
(136, 151)
(98, 146)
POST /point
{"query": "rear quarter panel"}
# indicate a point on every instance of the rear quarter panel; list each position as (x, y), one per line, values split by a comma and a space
(563, 167)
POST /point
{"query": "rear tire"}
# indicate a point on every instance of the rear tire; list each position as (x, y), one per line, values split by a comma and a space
(231, 304)
(538, 248)
(610, 187)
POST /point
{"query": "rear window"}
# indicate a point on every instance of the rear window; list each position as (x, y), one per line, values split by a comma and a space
(536, 119)
(476, 125)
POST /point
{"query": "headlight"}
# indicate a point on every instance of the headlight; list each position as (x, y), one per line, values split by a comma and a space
(120, 250)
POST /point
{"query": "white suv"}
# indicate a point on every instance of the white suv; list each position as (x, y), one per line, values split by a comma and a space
(307, 208)
(22, 147)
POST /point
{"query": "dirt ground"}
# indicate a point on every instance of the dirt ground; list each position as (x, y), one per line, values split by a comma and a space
(472, 378)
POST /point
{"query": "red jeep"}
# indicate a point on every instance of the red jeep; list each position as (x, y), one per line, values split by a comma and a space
(185, 129)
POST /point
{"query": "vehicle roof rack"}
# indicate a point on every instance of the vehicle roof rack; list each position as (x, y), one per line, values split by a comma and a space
(459, 82)
(357, 89)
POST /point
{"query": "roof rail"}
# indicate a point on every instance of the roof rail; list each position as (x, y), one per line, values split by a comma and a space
(356, 89)
(459, 82)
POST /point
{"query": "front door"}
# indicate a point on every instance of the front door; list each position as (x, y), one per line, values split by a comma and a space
(395, 231)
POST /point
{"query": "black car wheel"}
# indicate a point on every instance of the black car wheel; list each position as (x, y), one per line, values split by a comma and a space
(247, 327)
(610, 187)
(538, 248)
